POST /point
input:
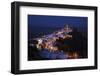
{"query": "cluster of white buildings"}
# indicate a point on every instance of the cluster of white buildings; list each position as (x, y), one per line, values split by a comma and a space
(48, 41)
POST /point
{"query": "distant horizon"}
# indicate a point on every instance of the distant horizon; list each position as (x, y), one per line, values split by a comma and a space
(38, 20)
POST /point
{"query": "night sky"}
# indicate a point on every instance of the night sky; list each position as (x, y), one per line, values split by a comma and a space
(47, 24)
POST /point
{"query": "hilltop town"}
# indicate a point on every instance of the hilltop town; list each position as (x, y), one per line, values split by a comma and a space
(64, 43)
(49, 41)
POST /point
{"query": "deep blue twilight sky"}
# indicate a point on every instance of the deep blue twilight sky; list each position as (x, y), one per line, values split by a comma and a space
(48, 24)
